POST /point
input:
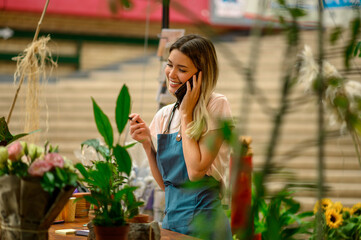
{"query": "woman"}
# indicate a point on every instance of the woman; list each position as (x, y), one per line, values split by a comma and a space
(182, 155)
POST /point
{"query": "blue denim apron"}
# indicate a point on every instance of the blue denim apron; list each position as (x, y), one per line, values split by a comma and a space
(191, 211)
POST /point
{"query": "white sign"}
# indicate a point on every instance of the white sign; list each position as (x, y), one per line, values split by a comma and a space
(230, 8)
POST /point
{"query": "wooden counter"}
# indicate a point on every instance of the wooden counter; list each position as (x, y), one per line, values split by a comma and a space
(79, 222)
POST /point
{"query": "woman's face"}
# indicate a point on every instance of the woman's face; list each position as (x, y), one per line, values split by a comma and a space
(178, 70)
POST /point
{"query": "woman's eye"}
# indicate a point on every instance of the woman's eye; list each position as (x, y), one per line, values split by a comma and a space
(181, 70)
(169, 65)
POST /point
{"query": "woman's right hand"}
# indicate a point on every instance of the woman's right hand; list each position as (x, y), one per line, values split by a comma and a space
(139, 131)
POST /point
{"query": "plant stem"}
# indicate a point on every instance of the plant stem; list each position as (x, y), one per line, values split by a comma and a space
(321, 131)
(40, 21)
(22, 76)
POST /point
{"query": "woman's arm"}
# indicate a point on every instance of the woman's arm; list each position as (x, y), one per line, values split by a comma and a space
(141, 133)
(197, 155)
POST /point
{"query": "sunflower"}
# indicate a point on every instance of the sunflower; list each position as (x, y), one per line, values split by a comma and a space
(356, 209)
(346, 212)
(337, 206)
(325, 203)
(333, 218)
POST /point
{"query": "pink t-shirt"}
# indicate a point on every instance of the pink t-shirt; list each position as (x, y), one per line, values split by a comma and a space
(218, 107)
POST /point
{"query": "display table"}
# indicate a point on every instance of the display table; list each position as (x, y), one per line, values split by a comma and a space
(79, 222)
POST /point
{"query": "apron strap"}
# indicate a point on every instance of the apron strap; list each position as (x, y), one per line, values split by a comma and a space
(176, 105)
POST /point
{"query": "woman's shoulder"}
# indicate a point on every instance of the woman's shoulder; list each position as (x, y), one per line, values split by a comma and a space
(217, 100)
(164, 111)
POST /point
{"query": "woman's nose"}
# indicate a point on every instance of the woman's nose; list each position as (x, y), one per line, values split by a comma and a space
(172, 73)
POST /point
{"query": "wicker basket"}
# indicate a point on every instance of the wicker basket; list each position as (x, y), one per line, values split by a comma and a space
(82, 206)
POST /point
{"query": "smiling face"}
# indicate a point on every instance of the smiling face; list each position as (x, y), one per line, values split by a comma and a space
(178, 70)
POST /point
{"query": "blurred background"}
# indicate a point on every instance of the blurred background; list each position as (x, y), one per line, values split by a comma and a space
(99, 45)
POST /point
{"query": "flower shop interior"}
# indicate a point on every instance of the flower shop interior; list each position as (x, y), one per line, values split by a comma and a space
(268, 70)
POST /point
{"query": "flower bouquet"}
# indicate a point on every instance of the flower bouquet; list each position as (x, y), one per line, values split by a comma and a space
(35, 184)
(339, 222)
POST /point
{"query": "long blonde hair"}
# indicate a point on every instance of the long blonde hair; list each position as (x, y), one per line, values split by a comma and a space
(203, 55)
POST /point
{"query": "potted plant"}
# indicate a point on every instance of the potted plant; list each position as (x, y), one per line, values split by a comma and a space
(35, 185)
(107, 178)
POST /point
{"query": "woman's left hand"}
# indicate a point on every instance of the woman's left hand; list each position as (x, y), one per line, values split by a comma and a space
(191, 97)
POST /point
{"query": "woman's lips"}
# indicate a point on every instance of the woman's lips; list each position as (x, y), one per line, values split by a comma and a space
(174, 84)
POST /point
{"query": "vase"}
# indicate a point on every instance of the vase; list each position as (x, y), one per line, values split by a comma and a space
(111, 233)
(27, 211)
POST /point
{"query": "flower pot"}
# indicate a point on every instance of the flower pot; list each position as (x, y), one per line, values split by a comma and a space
(27, 211)
(111, 233)
(140, 218)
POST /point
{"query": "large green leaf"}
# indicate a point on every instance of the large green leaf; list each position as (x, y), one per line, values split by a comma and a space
(94, 143)
(92, 200)
(48, 182)
(91, 143)
(103, 124)
(102, 175)
(123, 159)
(122, 109)
(82, 170)
(5, 135)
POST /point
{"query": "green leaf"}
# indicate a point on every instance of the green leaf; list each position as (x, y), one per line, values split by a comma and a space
(357, 49)
(5, 135)
(306, 214)
(94, 143)
(48, 182)
(124, 163)
(297, 12)
(335, 35)
(126, 3)
(92, 200)
(341, 102)
(82, 170)
(91, 143)
(122, 109)
(130, 145)
(103, 124)
(102, 175)
(72, 179)
(118, 195)
(60, 173)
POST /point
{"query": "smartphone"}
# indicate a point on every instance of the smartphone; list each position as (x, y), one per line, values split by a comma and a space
(182, 90)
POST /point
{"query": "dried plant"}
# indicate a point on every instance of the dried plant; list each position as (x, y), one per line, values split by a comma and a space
(31, 65)
(342, 97)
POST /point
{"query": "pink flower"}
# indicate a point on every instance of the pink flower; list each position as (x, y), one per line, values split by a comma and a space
(55, 159)
(39, 167)
(15, 151)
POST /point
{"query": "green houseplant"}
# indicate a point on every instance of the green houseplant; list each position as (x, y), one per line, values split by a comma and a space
(111, 194)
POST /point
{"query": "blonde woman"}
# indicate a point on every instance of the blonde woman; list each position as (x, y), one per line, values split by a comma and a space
(182, 155)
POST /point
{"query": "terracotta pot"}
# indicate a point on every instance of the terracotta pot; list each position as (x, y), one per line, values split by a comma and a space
(111, 233)
(140, 218)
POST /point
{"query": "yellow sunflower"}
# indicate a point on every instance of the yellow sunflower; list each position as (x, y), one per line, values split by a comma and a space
(333, 218)
(356, 209)
(346, 212)
(347, 209)
(337, 206)
(325, 203)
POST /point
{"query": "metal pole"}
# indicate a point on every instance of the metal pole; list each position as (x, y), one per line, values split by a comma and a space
(165, 17)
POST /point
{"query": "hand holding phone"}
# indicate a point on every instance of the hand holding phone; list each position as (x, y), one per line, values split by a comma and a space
(182, 90)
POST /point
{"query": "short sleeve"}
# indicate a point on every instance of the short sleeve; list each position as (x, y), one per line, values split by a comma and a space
(158, 123)
(218, 108)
